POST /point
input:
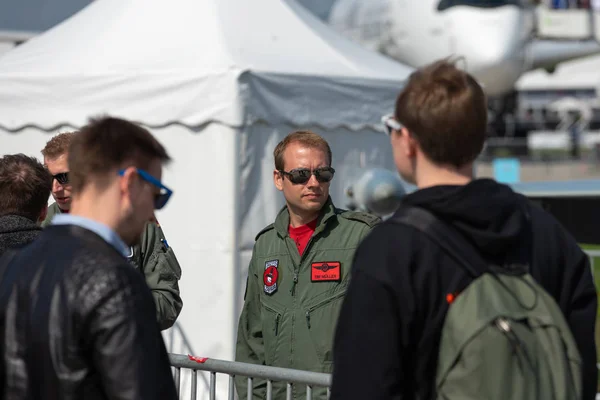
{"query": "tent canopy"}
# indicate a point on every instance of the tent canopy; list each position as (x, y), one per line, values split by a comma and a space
(188, 61)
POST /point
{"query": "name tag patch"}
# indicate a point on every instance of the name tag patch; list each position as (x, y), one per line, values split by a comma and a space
(270, 276)
(326, 271)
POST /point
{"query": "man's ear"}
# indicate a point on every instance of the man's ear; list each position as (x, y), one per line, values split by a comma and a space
(278, 180)
(410, 143)
(127, 180)
(43, 214)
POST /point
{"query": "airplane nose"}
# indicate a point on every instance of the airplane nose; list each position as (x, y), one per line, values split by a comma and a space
(492, 41)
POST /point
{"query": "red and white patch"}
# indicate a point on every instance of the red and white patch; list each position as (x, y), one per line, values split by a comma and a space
(270, 276)
(326, 271)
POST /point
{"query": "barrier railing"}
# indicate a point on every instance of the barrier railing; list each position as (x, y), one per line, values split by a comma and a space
(251, 371)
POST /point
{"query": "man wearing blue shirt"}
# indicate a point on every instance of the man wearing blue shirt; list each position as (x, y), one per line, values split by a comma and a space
(76, 321)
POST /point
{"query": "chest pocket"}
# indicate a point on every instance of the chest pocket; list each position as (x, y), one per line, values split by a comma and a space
(321, 320)
(271, 316)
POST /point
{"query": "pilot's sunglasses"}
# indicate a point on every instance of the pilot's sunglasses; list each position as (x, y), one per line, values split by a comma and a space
(62, 178)
(302, 175)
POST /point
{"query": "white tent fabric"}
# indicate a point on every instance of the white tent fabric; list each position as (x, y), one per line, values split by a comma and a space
(219, 82)
(169, 52)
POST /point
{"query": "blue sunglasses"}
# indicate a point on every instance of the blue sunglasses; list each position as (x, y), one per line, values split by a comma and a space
(160, 199)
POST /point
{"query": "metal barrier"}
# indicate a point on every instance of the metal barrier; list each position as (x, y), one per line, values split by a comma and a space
(251, 371)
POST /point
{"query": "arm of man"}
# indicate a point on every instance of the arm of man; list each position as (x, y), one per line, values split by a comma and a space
(162, 272)
(564, 271)
(367, 346)
(250, 345)
(582, 318)
(126, 347)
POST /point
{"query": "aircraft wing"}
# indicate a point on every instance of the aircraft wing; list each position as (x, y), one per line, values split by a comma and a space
(549, 53)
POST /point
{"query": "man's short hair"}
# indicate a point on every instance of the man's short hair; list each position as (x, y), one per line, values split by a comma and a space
(25, 186)
(305, 138)
(445, 110)
(58, 145)
(108, 144)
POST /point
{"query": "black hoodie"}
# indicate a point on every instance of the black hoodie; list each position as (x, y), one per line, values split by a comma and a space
(17, 231)
(389, 328)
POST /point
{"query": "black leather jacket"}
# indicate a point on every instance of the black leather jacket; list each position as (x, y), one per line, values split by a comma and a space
(77, 322)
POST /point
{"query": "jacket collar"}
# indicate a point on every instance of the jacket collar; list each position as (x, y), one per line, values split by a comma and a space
(16, 223)
(282, 221)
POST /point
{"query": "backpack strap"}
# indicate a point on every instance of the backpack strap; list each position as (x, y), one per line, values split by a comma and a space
(448, 238)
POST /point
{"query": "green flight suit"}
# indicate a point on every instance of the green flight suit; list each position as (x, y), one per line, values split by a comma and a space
(156, 260)
(292, 302)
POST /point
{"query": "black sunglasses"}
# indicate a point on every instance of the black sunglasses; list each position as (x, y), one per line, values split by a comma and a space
(62, 178)
(302, 175)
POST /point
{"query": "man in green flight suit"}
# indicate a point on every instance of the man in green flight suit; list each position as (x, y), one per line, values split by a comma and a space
(152, 256)
(300, 269)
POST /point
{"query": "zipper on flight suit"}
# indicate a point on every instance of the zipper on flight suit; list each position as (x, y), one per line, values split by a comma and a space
(321, 304)
(277, 317)
(297, 268)
(277, 324)
(294, 283)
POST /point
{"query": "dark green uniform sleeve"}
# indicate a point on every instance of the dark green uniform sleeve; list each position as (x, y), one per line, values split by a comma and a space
(250, 346)
(156, 259)
(52, 211)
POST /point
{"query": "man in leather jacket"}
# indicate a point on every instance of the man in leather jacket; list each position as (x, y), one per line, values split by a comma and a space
(76, 321)
(151, 255)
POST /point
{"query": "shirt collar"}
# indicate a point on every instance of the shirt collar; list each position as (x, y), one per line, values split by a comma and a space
(282, 221)
(98, 228)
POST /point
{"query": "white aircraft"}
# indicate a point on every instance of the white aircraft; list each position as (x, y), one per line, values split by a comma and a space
(495, 37)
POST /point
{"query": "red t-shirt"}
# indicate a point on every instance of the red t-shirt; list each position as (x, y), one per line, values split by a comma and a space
(301, 235)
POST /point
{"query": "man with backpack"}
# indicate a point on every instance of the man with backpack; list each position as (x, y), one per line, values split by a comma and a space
(468, 291)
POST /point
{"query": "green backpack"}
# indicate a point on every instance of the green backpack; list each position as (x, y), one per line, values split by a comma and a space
(504, 337)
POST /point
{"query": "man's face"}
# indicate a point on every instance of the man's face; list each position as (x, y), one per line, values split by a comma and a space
(140, 204)
(61, 192)
(312, 195)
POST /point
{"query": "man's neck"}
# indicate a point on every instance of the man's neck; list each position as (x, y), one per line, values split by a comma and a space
(298, 218)
(89, 208)
(431, 175)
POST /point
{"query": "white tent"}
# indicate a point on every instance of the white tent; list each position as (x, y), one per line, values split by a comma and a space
(219, 82)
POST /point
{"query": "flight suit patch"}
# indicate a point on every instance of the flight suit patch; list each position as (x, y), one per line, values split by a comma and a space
(325, 271)
(270, 276)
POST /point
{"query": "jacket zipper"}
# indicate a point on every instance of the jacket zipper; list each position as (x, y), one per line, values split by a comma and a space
(297, 268)
(277, 318)
(294, 282)
(318, 305)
